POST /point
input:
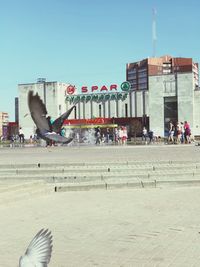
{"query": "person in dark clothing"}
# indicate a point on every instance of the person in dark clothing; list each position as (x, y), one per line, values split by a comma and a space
(150, 136)
(97, 135)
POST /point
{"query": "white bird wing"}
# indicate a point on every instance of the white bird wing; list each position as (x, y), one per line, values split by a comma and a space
(39, 250)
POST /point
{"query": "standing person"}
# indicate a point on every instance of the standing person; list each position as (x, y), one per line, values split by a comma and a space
(124, 135)
(107, 135)
(179, 133)
(144, 135)
(171, 133)
(31, 139)
(150, 136)
(12, 140)
(21, 135)
(116, 136)
(120, 135)
(187, 132)
(182, 132)
(98, 136)
(175, 134)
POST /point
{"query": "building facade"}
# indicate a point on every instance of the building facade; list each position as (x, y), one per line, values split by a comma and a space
(53, 95)
(170, 89)
(4, 119)
(156, 91)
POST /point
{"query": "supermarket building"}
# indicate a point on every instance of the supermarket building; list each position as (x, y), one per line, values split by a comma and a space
(159, 90)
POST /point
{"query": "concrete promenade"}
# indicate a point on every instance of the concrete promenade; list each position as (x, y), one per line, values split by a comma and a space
(146, 227)
(100, 153)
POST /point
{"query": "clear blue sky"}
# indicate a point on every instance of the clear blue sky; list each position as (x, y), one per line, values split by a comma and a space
(88, 42)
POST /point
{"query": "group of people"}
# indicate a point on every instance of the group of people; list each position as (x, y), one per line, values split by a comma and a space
(179, 133)
(19, 136)
(118, 136)
(147, 135)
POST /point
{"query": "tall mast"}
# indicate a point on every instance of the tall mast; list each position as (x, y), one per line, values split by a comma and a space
(154, 37)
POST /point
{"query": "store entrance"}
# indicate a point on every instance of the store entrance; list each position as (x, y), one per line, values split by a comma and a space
(170, 112)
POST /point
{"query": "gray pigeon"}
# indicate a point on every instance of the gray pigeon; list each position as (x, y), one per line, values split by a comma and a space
(38, 253)
(45, 129)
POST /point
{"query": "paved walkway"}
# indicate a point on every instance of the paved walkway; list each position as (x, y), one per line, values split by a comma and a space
(139, 228)
(121, 228)
(99, 153)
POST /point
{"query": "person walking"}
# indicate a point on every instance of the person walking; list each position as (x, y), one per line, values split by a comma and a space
(124, 135)
(144, 135)
(107, 135)
(116, 135)
(98, 136)
(21, 135)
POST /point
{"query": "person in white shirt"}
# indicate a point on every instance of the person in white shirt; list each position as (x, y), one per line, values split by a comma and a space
(21, 135)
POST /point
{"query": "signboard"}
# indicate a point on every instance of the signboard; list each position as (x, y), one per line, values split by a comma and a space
(96, 97)
(98, 93)
(95, 88)
(125, 86)
(70, 90)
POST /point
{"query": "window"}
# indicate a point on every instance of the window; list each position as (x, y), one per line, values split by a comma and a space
(131, 71)
(166, 71)
(126, 110)
(75, 113)
(131, 76)
(142, 74)
(142, 70)
(142, 86)
(99, 110)
(142, 80)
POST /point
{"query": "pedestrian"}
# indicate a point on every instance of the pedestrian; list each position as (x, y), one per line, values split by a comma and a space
(124, 135)
(179, 133)
(171, 133)
(107, 135)
(144, 135)
(120, 135)
(182, 132)
(150, 136)
(187, 132)
(98, 136)
(21, 135)
(116, 136)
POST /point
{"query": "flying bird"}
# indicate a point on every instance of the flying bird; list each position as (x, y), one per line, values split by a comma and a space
(38, 253)
(45, 129)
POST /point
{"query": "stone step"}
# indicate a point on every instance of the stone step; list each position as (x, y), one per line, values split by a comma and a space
(110, 185)
(99, 164)
(14, 185)
(103, 168)
(86, 171)
(28, 179)
(81, 175)
(11, 193)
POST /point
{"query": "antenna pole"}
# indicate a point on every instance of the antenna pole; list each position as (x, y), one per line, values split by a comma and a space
(154, 37)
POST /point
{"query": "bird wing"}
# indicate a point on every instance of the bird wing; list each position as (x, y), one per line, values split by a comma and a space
(57, 124)
(38, 112)
(57, 138)
(39, 250)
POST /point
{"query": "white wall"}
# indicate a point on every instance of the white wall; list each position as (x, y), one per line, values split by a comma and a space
(55, 96)
(196, 124)
(186, 98)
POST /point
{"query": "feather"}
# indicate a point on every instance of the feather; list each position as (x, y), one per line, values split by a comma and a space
(57, 124)
(46, 130)
(38, 112)
(39, 250)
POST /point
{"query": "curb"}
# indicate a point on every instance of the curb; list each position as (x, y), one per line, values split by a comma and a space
(133, 185)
